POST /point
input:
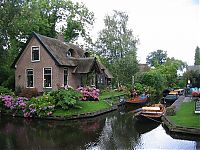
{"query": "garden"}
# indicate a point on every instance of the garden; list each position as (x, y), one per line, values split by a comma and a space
(62, 102)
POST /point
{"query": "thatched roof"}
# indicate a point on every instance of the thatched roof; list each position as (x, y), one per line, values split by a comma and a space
(86, 65)
(58, 51)
(106, 71)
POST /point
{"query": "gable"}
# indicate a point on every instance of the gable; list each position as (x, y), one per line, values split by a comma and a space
(56, 49)
(86, 65)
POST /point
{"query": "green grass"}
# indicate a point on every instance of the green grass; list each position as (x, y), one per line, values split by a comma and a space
(110, 94)
(185, 116)
(92, 106)
(85, 107)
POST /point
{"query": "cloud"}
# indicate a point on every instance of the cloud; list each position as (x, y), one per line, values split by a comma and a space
(169, 25)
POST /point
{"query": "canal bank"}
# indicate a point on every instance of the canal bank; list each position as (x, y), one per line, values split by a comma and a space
(177, 128)
(114, 105)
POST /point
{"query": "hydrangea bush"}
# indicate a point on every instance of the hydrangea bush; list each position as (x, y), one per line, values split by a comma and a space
(64, 98)
(89, 93)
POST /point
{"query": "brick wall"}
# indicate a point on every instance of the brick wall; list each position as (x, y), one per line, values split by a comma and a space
(24, 62)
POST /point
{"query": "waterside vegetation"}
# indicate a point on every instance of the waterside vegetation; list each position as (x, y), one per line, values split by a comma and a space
(63, 102)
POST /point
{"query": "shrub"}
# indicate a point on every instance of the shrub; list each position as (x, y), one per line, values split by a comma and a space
(170, 111)
(13, 104)
(89, 93)
(65, 98)
(29, 92)
(5, 91)
(41, 106)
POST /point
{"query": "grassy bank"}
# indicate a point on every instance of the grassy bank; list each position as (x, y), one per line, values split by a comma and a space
(92, 106)
(83, 107)
(185, 116)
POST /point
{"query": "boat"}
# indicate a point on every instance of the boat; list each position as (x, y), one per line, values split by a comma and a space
(153, 112)
(171, 98)
(137, 101)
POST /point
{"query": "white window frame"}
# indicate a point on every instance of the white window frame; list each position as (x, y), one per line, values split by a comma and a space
(51, 76)
(32, 53)
(26, 79)
(65, 68)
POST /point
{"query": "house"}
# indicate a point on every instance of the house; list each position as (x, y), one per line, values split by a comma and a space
(193, 68)
(46, 64)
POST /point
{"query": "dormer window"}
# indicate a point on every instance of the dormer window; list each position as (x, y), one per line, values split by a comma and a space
(69, 54)
(87, 54)
(35, 53)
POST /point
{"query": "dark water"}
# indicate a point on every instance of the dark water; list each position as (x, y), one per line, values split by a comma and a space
(114, 131)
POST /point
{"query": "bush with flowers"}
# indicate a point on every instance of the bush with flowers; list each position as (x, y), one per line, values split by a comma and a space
(45, 105)
(65, 98)
(41, 106)
(89, 93)
(14, 105)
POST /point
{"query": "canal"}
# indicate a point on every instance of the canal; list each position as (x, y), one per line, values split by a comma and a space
(114, 131)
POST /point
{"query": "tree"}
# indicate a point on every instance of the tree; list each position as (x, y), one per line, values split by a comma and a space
(117, 45)
(197, 56)
(170, 71)
(18, 19)
(125, 68)
(157, 57)
(116, 40)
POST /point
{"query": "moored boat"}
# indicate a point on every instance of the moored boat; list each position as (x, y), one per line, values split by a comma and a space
(153, 112)
(138, 101)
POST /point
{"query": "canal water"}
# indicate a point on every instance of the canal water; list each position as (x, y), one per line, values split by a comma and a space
(118, 130)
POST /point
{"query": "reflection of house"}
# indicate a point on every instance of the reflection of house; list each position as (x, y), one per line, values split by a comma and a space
(47, 63)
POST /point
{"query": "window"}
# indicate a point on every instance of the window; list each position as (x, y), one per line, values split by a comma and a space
(47, 76)
(69, 53)
(29, 77)
(35, 54)
(65, 76)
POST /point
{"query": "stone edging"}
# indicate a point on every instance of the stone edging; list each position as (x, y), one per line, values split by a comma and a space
(175, 128)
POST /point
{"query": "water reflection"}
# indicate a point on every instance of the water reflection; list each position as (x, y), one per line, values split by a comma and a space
(111, 131)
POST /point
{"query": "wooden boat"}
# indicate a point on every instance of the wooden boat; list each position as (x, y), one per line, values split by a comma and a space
(137, 102)
(153, 112)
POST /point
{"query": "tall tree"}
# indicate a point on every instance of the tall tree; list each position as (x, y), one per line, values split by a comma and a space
(117, 45)
(156, 58)
(197, 56)
(18, 19)
(115, 40)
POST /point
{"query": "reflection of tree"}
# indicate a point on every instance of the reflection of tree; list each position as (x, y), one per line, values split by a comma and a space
(118, 133)
(43, 134)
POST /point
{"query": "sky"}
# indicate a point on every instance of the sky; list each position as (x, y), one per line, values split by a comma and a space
(168, 25)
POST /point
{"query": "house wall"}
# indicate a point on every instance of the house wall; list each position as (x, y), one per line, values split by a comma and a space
(73, 79)
(24, 62)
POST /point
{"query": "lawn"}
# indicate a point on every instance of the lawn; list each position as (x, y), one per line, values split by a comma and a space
(91, 106)
(110, 94)
(185, 116)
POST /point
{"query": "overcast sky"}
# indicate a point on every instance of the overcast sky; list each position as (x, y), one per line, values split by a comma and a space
(169, 25)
